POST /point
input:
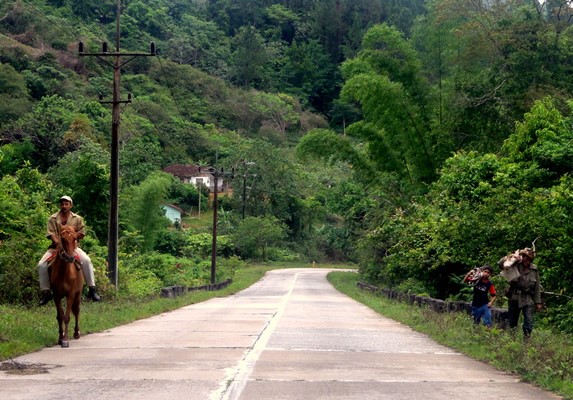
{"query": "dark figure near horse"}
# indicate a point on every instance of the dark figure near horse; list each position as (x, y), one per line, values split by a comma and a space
(66, 281)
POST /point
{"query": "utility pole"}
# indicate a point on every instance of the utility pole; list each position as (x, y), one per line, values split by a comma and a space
(114, 167)
(216, 174)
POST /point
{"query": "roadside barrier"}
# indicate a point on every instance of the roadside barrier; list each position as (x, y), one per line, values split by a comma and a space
(178, 290)
(499, 315)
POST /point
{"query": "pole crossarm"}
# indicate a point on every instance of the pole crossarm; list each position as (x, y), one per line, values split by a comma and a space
(118, 55)
(114, 102)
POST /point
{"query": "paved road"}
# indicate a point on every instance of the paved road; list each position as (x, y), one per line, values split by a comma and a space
(289, 336)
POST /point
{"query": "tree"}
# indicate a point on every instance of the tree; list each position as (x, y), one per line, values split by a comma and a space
(202, 45)
(248, 57)
(486, 67)
(84, 175)
(233, 15)
(14, 156)
(22, 232)
(186, 196)
(138, 158)
(328, 26)
(282, 22)
(45, 128)
(310, 74)
(104, 10)
(277, 186)
(326, 145)
(481, 207)
(144, 212)
(255, 235)
(385, 80)
(280, 110)
(14, 101)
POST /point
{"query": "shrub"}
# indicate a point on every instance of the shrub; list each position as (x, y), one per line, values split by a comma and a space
(201, 245)
(139, 283)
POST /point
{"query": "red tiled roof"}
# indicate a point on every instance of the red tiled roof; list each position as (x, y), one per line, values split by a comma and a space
(182, 170)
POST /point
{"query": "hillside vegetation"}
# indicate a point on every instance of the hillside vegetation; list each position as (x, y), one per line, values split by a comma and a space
(417, 138)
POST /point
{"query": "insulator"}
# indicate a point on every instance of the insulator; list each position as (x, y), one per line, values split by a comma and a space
(81, 47)
(104, 47)
(153, 51)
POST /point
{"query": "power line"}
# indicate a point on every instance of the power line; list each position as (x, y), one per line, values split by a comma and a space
(141, 108)
(170, 88)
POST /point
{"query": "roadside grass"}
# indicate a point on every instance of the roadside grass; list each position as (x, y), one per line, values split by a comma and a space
(23, 330)
(546, 360)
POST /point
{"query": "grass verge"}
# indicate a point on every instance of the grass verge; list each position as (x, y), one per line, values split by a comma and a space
(545, 360)
(23, 330)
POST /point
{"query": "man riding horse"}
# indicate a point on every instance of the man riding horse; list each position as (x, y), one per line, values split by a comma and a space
(65, 217)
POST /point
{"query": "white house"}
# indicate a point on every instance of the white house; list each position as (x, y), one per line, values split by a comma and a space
(196, 175)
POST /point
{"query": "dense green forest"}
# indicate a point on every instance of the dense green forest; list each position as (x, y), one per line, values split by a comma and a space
(418, 139)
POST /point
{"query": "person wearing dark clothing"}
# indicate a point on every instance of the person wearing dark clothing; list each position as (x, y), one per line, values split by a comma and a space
(483, 296)
(524, 293)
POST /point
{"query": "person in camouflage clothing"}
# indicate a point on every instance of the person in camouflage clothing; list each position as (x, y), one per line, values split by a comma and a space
(524, 293)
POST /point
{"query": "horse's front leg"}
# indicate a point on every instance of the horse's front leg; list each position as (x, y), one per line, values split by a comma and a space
(66, 317)
(59, 318)
(76, 311)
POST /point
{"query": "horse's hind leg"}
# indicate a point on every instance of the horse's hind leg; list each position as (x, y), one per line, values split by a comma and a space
(76, 312)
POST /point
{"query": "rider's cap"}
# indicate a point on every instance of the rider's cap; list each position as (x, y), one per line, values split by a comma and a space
(67, 198)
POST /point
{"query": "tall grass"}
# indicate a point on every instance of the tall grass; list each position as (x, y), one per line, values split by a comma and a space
(546, 359)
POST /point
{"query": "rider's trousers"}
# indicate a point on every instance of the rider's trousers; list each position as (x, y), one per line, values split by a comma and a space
(85, 261)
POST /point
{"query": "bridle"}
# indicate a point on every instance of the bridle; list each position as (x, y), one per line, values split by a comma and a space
(68, 258)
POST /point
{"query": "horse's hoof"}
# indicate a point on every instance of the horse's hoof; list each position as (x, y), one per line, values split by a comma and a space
(65, 343)
(76, 336)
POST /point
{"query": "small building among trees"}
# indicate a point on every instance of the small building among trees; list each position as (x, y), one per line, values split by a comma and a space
(200, 176)
(174, 213)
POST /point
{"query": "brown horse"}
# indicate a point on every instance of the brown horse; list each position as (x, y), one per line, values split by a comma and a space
(67, 282)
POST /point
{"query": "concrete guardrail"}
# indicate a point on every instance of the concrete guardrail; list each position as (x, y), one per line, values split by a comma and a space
(499, 315)
(178, 290)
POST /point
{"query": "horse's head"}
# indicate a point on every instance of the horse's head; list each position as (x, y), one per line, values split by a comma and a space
(67, 246)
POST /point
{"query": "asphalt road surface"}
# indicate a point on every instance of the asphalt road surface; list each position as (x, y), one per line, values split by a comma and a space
(289, 336)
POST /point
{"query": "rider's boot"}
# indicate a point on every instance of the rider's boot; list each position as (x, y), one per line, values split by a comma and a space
(46, 297)
(92, 294)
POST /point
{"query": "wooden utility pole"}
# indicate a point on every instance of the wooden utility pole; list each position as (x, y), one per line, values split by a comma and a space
(112, 239)
(216, 174)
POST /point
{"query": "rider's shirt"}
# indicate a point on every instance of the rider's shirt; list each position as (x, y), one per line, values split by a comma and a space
(73, 220)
